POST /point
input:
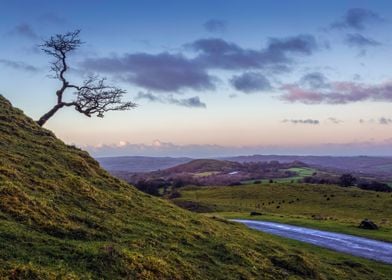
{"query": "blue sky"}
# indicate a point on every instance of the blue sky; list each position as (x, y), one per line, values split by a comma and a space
(212, 77)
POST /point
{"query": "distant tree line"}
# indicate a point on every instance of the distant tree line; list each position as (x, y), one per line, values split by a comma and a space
(348, 180)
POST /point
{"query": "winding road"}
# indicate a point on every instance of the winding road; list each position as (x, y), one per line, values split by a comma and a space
(353, 245)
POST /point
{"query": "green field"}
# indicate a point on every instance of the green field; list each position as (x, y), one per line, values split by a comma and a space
(205, 174)
(301, 173)
(319, 206)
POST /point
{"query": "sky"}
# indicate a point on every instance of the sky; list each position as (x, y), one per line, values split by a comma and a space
(211, 78)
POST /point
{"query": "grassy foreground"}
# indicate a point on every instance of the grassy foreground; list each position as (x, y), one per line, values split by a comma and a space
(319, 206)
(63, 217)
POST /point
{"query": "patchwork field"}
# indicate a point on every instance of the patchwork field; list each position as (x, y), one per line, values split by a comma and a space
(301, 173)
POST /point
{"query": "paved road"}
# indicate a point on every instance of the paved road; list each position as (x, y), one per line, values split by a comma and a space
(357, 246)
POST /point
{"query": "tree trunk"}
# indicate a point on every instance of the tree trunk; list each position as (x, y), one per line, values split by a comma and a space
(49, 114)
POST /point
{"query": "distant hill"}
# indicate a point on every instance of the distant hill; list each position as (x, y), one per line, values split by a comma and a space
(358, 164)
(63, 217)
(211, 172)
(366, 165)
(139, 163)
(205, 165)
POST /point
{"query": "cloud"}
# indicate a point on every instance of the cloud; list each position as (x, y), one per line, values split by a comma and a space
(148, 96)
(160, 72)
(334, 120)
(174, 72)
(305, 121)
(250, 82)
(215, 26)
(52, 18)
(18, 65)
(385, 121)
(381, 121)
(358, 40)
(304, 44)
(369, 121)
(215, 53)
(357, 18)
(24, 30)
(338, 93)
(192, 102)
(314, 80)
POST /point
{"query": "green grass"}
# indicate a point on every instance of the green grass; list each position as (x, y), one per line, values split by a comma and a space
(63, 217)
(319, 206)
(383, 234)
(301, 173)
(205, 174)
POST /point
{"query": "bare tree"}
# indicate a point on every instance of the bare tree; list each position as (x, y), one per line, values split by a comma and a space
(94, 96)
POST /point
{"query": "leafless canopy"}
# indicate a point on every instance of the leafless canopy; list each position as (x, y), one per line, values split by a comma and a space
(94, 96)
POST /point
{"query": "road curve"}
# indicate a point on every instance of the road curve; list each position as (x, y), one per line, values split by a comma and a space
(353, 245)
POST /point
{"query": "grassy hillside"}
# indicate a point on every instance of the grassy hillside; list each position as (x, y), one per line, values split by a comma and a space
(321, 206)
(63, 217)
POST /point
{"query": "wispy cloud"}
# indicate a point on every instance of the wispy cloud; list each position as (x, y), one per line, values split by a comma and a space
(192, 102)
(338, 93)
(215, 25)
(18, 65)
(304, 121)
(175, 72)
(161, 72)
(314, 80)
(334, 120)
(359, 40)
(250, 82)
(385, 121)
(380, 121)
(23, 30)
(52, 18)
(216, 53)
(357, 18)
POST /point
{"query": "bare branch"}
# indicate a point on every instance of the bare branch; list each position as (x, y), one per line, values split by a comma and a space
(94, 96)
(59, 46)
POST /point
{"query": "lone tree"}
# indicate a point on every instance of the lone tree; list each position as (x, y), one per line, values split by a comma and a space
(94, 96)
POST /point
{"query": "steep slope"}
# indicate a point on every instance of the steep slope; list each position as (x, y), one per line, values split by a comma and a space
(63, 217)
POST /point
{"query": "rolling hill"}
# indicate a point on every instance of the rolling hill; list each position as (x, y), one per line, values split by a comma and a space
(376, 166)
(63, 217)
(139, 163)
(360, 165)
(204, 165)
